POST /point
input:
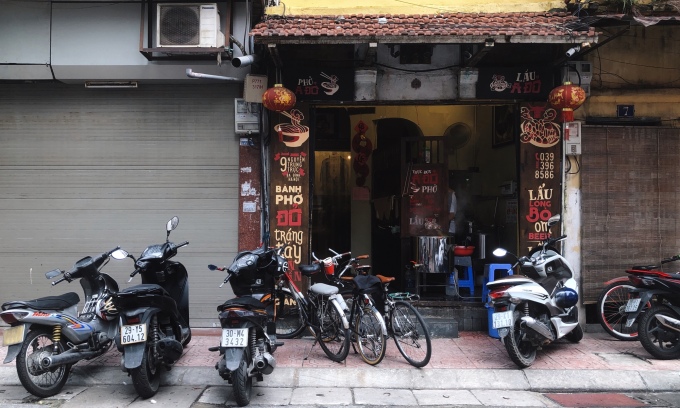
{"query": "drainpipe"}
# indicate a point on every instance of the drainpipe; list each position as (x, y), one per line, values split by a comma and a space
(192, 74)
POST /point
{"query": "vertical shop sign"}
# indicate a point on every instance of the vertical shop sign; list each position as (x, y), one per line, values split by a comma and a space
(540, 173)
(427, 212)
(289, 191)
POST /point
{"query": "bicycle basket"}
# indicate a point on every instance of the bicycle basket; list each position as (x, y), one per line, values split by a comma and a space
(329, 266)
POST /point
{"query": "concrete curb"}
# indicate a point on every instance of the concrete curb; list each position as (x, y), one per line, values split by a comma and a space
(534, 380)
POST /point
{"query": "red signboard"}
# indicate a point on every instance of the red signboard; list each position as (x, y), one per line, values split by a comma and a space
(427, 206)
(289, 189)
(540, 165)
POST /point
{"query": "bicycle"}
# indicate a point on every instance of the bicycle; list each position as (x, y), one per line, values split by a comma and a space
(367, 326)
(322, 312)
(406, 325)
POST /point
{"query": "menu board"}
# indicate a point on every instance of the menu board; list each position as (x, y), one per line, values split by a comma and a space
(540, 165)
(289, 189)
(426, 197)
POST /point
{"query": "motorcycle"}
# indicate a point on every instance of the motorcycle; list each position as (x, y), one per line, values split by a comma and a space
(540, 305)
(154, 316)
(618, 313)
(248, 331)
(655, 300)
(47, 335)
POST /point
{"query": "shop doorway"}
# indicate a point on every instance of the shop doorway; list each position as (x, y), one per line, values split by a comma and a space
(390, 251)
(331, 210)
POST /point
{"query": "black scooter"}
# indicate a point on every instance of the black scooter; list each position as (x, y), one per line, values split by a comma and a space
(154, 316)
(248, 331)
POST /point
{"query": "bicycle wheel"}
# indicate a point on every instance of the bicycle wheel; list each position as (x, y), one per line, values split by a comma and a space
(370, 339)
(332, 335)
(410, 334)
(610, 307)
(289, 321)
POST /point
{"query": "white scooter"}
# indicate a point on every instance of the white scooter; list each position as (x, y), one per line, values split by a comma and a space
(540, 305)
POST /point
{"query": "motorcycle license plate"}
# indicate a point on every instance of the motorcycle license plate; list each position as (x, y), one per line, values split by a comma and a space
(13, 335)
(134, 333)
(234, 337)
(502, 319)
(632, 305)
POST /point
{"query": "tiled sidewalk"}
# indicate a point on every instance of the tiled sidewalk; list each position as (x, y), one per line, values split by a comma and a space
(472, 350)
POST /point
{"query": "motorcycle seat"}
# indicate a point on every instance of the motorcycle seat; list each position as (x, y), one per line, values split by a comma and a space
(309, 270)
(45, 303)
(143, 289)
(246, 302)
(645, 268)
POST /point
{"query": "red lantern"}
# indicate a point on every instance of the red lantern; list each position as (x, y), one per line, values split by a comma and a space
(278, 98)
(567, 97)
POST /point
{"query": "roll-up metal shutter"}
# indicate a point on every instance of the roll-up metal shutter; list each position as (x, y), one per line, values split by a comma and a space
(84, 170)
(629, 202)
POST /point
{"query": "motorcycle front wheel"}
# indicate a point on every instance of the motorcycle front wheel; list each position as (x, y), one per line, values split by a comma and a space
(36, 380)
(522, 353)
(660, 341)
(243, 383)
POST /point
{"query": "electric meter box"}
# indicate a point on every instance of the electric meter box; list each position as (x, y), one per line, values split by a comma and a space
(572, 138)
(246, 117)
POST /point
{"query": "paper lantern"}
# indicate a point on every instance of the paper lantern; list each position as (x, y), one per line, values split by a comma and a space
(278, 98)
(567, 97)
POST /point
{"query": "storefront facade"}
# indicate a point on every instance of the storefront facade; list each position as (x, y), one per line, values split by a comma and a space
(390, 113)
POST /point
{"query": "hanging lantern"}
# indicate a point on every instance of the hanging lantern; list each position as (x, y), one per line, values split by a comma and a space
(278, 98)
(567, 97)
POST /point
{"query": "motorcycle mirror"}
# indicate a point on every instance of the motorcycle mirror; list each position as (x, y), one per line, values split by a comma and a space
(120, 254)
(52, 274)
(172, 224)
(212, 267)
(500, 252)
(553, 220)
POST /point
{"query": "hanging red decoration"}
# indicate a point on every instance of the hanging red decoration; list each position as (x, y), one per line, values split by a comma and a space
(567, 97)
(278, 98)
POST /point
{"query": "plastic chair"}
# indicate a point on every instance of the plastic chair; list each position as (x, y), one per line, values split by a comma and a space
(468, 280)
(491, 273)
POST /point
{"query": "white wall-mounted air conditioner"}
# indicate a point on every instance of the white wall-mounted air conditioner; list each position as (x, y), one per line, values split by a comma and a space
(576, 69)
(188, 25)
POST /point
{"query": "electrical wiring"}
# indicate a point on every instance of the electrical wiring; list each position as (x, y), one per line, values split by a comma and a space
(568, 165)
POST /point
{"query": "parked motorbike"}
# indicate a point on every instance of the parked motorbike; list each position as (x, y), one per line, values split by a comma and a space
(618, 314)
(539, 307)
(655, 301)
(48, 335)
(248, 331)
(154, 316)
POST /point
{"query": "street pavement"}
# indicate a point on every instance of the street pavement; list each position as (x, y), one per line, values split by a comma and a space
(472, 370)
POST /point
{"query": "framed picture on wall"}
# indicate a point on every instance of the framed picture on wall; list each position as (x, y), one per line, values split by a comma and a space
(504, 125)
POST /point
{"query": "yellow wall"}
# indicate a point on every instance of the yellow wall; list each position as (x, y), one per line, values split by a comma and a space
(333, 7)
(641, 68)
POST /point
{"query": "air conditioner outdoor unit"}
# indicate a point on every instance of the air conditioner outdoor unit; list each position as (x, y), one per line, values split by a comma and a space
(188, 25)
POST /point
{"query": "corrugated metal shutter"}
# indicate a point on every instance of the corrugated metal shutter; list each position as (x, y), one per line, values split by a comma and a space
(630, 201)
(84, 170)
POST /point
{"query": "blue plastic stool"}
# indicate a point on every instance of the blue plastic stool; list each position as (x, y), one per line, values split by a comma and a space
(468, 280)
(491, 273)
